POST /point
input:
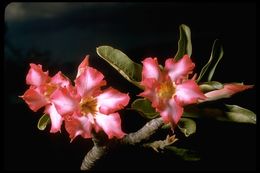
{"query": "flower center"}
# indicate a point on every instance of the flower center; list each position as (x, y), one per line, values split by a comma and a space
(166, 90)
(88, 105)
(50, 88)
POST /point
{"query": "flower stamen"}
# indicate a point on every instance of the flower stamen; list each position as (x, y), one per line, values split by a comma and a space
(50, 88)
(166, 89)
(88, 105)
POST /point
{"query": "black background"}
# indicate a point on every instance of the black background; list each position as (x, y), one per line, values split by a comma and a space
(140, 30)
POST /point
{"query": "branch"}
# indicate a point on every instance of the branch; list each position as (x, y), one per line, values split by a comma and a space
(102, 145)
(96, 153)
(144, 133)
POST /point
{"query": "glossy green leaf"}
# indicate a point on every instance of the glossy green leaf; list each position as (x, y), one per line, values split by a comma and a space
(43, 121)
(238, 114)
(215, 57)
(192, 111)
(185, 154)
(184, 43)
(122, 63)
(231, 113)
(187, 126)
(144, 107)
(210, 86)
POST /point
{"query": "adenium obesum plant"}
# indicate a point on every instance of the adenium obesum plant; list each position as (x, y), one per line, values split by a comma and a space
(169, 99)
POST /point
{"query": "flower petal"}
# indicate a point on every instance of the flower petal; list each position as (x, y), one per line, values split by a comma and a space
(150, 69)
(64, 102)
(56, 119)
(172, 111)
(150, 85)
(89, 82)
(112, 100)
(188, 92)
(180, 69)
(83, 65)
(36, 76)
(60, 79)
(111, 124)
(78, 125)
(34, 98)
(227, 91)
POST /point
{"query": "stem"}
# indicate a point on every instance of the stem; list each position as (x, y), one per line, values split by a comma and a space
(102, 145)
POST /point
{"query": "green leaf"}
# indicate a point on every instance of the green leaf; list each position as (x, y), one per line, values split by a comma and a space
(184, 43)
(122, 63)
(43, 121)
(232, 113)
(185, 154)
(215, 57)
(144, 107)
(187, 126)
(210, 86)
(238, 114)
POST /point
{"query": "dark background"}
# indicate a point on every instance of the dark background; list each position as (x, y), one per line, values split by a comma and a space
(59, 35)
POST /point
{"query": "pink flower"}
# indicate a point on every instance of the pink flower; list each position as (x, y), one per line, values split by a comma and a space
(169, 89)
(90, 108)
(38, 94)
(227, 91)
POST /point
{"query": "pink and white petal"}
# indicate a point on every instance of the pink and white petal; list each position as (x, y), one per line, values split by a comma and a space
(34, 98)
(152, 96)
(227, 91)
(180, 69)
(111, 124)
(89, 82)
(83, 65)
(151, 69)
(56, 119)
(60, 79)
(171, 112)
(73, 92)
(188, 93)
(78, 125)
(64, 102)
(36, 76)
(149, 83)
(111, 101)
